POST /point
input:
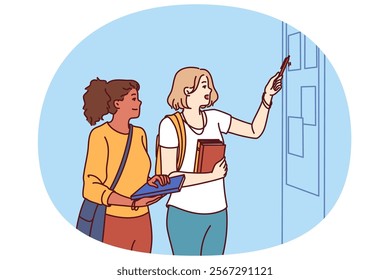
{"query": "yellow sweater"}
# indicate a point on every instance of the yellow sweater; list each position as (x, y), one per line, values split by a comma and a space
(105, 151)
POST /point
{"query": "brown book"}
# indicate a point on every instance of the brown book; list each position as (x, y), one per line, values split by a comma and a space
(208, 153)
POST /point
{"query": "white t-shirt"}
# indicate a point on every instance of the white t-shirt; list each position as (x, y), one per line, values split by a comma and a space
(207, 197)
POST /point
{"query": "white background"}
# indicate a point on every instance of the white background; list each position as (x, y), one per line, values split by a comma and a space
(36, 241)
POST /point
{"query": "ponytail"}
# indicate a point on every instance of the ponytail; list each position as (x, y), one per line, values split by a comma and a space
(96, 101)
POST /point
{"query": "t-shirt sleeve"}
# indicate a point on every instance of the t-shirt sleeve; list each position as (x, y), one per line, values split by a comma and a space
(224, 120)
(168, 135)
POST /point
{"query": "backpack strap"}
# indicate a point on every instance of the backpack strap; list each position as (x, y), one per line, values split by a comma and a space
(178, 122)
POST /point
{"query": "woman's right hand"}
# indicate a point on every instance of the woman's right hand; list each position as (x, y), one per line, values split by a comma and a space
(146, 201)
(220, 169)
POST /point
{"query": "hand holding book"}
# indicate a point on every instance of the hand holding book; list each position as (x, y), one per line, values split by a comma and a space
(146, 201)
(220, 169)
(157, 189)
(161, 179)
(208, 153)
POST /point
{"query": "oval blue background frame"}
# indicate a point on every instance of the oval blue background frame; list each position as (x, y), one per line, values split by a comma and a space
(241, 49)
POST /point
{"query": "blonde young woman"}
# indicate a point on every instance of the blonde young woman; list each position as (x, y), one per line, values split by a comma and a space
(127, 222)
(197, 215)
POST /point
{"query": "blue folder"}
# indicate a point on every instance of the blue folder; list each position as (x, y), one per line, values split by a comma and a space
(148, 190)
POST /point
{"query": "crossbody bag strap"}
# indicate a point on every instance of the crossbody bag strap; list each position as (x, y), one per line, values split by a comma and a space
(124, 158)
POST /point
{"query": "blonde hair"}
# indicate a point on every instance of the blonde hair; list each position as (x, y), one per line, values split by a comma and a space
(189, 77)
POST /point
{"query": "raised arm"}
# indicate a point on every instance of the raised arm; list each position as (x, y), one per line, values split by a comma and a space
(256, 128)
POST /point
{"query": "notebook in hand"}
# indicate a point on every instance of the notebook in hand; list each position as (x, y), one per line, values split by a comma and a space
(148, 190)
(208, 153)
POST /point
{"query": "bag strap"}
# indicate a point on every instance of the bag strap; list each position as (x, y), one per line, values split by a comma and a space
(124, 158)
(178, 122)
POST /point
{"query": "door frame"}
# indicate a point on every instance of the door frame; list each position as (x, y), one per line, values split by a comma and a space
(321, 194)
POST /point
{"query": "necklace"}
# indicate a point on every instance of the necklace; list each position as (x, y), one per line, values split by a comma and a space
(197, 131)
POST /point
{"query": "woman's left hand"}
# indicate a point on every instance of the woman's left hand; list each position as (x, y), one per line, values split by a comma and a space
(162, 179)
(274, 85)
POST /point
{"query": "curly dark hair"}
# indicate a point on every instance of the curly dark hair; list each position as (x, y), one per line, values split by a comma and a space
(100, 96)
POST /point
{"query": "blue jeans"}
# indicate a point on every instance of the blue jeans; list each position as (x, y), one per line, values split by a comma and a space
(196, 234)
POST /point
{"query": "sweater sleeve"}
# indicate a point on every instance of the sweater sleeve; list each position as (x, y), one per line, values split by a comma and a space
(144, 139)
(95, 170)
